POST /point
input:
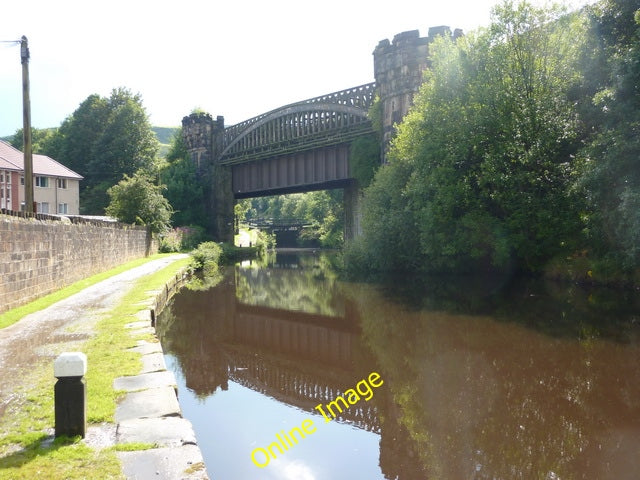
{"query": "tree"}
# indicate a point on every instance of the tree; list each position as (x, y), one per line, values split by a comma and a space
(480, 172)
(104, 139)
(323, 209)
(610, 179)
(137, 200)
(80, 133)
(126, 143)
(365, 159)
(43, 141)
(185, 190)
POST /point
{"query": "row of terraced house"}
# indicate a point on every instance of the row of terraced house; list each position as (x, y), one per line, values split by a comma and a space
(56, 188)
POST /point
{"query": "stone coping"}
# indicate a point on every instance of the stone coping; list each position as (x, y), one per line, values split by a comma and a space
(150, 413)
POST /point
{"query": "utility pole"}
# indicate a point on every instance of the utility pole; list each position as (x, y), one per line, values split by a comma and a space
(26, 127)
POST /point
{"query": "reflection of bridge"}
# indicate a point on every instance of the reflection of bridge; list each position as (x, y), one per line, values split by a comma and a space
(278, 224)
(300, 387)
(301, 359)
(305, 146)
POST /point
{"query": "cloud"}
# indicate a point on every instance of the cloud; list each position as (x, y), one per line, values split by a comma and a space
(296, 470)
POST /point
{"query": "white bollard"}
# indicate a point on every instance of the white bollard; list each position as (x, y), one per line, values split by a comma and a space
(70, 394)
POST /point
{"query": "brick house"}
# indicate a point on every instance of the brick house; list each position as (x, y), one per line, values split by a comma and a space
(56, 188)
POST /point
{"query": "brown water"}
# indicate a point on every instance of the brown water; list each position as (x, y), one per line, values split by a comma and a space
(537, 381)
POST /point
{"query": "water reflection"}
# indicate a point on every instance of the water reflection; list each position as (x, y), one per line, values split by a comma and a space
(531, 383)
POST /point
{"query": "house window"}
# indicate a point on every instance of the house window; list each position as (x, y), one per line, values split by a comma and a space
(22, 180)
(42, 182)
(43, 207)
(63, 208)
(62, 183)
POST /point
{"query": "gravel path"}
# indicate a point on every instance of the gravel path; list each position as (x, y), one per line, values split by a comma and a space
(38, 338)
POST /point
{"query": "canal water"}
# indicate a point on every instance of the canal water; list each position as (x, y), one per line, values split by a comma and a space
(427, 379)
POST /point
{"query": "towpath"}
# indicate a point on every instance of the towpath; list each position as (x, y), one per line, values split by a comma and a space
(41, 336)
(148, 413)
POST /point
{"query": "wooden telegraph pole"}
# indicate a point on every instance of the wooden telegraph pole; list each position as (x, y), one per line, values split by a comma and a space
(26, 127)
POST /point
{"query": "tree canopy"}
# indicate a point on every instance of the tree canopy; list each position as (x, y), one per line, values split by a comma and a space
(137, 200)
(185, 189)
(102, 140)
(502, 163)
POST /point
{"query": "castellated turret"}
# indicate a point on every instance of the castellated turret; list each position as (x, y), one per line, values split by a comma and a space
(202, 136)
(398, 70)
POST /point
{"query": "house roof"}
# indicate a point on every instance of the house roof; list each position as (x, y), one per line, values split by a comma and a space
(13, 159)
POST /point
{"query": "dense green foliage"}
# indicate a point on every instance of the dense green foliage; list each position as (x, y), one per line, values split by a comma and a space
(365, 159)
(137, 200)
(102, 140)
(42, 140)
(611, 174)
(206, 257)
(503, 162)
(184, 188)
(322, 209)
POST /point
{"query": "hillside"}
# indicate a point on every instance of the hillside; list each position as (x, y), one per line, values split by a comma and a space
(164, 136)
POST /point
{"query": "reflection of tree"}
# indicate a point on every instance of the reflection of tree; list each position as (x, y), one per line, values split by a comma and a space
(304, 285)
(484, 399)
(558, 309)
(192, 334)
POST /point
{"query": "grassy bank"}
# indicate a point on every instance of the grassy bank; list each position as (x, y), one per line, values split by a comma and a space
(26, 450)
(12, 316)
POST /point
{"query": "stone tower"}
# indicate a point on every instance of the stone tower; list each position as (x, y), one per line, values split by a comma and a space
(398, 70)
(203, 139)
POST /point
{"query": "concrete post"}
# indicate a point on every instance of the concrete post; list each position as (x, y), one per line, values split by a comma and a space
(70, 396)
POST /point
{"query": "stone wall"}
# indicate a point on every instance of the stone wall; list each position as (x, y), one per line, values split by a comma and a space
(398, 68)
(41, 254)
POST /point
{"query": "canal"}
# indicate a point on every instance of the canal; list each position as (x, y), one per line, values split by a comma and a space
(427, 379)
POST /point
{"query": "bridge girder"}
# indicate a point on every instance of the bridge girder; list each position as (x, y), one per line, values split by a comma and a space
(317, 122)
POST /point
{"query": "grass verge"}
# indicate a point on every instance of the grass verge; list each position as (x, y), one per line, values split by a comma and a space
(12, 316)
(25, 429)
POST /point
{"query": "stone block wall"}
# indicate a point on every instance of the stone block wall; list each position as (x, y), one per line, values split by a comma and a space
(39, 255)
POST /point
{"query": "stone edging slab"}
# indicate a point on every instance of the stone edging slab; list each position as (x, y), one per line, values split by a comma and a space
(150, 412)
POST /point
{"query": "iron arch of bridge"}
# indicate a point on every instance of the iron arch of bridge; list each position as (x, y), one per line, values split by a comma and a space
(314, 123)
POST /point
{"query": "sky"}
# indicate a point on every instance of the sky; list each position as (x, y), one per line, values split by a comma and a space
(235, 58)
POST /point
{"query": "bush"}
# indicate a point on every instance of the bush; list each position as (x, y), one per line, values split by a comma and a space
(357, 258)
(265, 241)
(181, 239)
(192, 236)
(206, 258)
(170, 241)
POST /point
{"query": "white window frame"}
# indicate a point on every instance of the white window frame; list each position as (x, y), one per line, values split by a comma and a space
(40, 179)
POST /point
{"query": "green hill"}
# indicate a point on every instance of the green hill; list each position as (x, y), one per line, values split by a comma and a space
(164, 136)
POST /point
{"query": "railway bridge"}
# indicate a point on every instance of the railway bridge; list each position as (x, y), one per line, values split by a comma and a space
(306, 145)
